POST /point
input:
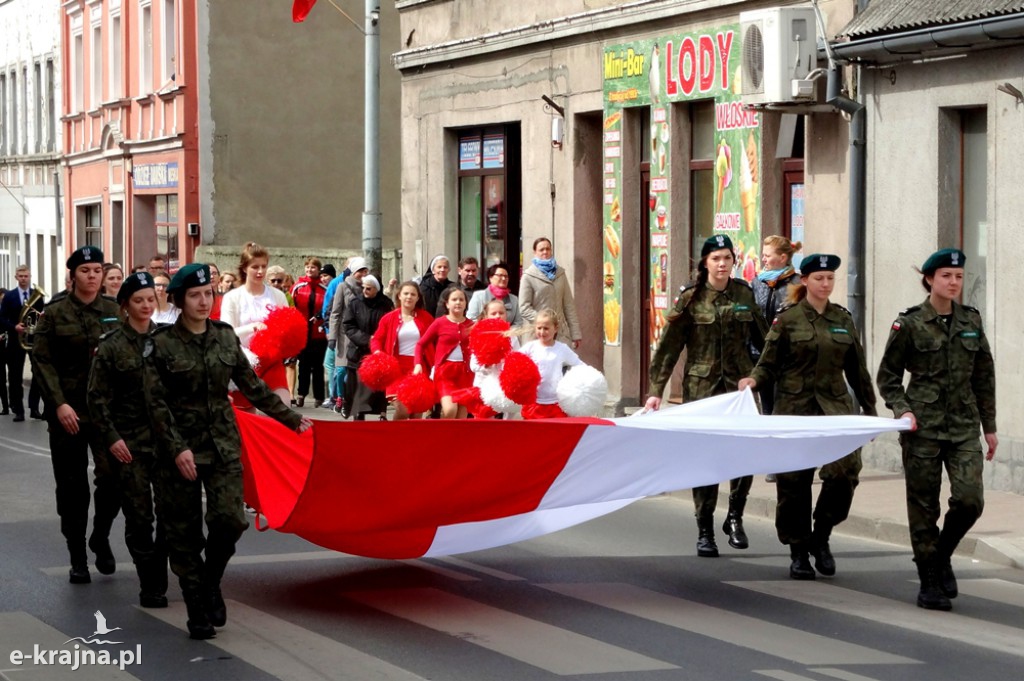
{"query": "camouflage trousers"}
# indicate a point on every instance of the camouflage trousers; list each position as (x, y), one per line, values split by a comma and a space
(705, 499)
(793, 514)
(923, 461)
(137, 480)
(182, 512)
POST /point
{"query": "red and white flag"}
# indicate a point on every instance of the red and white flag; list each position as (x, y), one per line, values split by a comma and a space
(434, 487)
(301, 10)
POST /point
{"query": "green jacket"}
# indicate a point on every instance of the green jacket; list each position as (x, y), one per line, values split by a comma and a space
(807, 355)
(118, 401)
(188, 376)
(65, 339)
(718, 331)
(952, 389)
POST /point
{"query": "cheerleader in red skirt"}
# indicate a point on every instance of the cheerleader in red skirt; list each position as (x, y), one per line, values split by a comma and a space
(399, 332)
(448, 336)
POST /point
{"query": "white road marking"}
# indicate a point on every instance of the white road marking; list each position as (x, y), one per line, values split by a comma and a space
(998, 590)
(451, 574)
(541, 645)
(287, 651)
(23, 632)
(841, 674)
(491, 572)
(905, 615)
(741, 630)
(782, 675)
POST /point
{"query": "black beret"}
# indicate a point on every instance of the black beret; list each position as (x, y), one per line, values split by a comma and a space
(947, 257)
(819, 262)
(329, 269)
(85, 255)
(132, 284)
(715, 243)
(190, 276)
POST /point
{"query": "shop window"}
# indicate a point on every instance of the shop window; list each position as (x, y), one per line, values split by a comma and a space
(702, 169)
(488, 201)
(167, 227)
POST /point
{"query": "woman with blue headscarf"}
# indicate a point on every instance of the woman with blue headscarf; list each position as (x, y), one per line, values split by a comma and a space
(545, 285)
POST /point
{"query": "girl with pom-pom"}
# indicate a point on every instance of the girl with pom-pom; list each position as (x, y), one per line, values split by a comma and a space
(397, 335)
(448, 336)
(551, 357)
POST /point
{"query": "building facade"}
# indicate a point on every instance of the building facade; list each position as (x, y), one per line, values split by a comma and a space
(615, 129)
(30, 142)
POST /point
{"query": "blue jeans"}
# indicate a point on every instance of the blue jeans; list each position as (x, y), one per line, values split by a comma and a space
(329, 367)
(338, 381)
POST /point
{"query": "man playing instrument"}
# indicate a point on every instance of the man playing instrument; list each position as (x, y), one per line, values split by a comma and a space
(13, 315)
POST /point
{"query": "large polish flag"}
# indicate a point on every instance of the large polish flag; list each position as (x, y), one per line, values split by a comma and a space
(416, 488)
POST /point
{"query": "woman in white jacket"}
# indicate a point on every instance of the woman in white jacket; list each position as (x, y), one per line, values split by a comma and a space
(246, 307)
(545, 285)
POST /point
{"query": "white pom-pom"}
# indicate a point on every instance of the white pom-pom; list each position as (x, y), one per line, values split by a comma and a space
(494, 397)
(582, 391)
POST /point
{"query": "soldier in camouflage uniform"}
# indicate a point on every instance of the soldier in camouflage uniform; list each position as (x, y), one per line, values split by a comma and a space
(812, 345)
(119, 407)
(65, 340)
(951, 394)
(188, 373)
(717, 322)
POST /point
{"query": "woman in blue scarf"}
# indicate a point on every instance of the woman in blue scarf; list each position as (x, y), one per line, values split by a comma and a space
(545, 285)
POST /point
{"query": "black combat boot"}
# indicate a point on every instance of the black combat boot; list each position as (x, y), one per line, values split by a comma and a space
(824, 562)
(930, 597)
(947, 580)
(199, 627)
(79, 573)
(152, 582)
(733, 525)
(216, 609)
(706, 546)
(800, 568)
(100, 545)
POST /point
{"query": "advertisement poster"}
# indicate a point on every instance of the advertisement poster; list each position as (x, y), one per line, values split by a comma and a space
(660, 73)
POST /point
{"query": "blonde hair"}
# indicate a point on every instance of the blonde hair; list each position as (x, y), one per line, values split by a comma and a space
(547, 313)
(783, 246)
(494, 301)
(250, 252)
(275, 269)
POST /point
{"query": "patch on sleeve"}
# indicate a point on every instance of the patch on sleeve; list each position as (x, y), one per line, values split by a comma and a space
(896, 325)
(775, 321)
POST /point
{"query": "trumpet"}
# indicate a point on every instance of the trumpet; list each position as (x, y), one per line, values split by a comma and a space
(30, 318)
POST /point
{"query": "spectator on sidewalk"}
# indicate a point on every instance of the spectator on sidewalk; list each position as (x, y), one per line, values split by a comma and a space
(165, 312)
(434, 285)
(308, 296)
(497, 276)
(348, 290)
(469, 276)
(361, 320)
(545, 284)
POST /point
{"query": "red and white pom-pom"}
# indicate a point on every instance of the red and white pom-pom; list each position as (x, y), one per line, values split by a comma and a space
(416, 392)
(582, 391)
(470, 399)
(494, 397)
(488, 342)
(379, 370)
(283, 336)
(519, 378)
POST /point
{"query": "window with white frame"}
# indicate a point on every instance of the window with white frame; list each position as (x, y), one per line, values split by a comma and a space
(4, 118)
(51, 107)
(78, 69)
(116, 79)
(38, 96)
(146, 48)
(91, 232)
(170, 44)
(13, 151)
(96, 66)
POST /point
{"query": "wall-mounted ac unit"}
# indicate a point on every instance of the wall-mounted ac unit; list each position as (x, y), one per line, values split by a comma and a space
(779, 46)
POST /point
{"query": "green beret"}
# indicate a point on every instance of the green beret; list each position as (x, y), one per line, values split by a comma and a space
(715, 243)
(819, 262)
(132, 284)
(86, 255)
(190, 276)
(947, 257)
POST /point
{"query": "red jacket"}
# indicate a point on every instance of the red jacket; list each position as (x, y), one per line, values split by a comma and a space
(386, 337)
(309, 300)
(444, 335)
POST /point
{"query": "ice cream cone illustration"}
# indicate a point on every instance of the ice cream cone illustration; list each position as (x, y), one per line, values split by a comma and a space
(723, 171)
(748, 184)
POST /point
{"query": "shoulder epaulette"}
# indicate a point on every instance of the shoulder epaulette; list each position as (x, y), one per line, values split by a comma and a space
(221, 324)
(744, 282)
(910, 310)
(971, 309)
(784, 307)
(53, 301)
(108, 334)
(160, 328)
(109, 297)
(687, 286)
(843, 309)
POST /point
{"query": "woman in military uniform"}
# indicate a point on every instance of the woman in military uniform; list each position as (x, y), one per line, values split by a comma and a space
(65, 339)
(717, 322)
(951, 397)
(120, 409)
(811, 347)
(188, 373)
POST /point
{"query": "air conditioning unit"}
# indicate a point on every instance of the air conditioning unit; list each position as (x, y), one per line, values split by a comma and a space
(779, 46)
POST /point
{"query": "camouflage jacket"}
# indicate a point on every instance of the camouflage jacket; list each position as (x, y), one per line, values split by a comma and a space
(717, 330)
(807, 355)
(952, 389)
(65, 340)
(187, 376)
(118, 401)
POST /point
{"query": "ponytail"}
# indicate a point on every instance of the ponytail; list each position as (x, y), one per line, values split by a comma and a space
(796, 293)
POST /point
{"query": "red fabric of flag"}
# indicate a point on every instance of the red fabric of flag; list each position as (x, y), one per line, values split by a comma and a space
(301, 9)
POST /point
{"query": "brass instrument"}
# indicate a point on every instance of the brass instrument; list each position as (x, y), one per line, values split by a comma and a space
(30, 317)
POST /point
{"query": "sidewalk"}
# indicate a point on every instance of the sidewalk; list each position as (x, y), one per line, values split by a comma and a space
(880, 512)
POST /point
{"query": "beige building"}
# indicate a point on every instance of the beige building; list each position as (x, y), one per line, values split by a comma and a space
(614, 128)
(281, 131)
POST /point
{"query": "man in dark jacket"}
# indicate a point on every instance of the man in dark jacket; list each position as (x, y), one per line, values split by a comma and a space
(10, 326)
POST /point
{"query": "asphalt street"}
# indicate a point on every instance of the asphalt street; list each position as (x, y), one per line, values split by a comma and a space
(620, 598)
